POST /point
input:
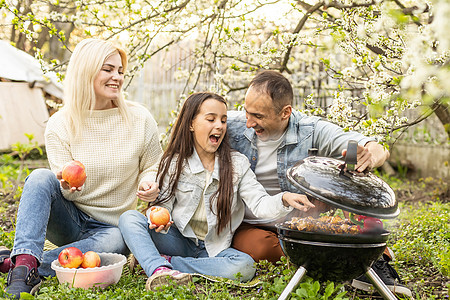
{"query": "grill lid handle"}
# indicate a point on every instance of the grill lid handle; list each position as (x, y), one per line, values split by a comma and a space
(351, 159)
(313, 151)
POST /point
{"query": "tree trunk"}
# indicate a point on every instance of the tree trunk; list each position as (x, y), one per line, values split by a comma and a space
(443, 113)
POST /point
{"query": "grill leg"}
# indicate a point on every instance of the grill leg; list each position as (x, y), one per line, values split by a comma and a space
(384, 291)
(292, 283)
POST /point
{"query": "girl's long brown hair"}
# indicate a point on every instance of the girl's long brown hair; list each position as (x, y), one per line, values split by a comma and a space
(181, 143)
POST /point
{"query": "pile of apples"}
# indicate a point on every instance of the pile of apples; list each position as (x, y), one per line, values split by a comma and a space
(72, 257)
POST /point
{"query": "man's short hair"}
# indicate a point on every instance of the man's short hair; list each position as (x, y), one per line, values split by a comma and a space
(275, 85)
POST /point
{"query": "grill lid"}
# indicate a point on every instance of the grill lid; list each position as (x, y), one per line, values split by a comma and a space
(334, 182)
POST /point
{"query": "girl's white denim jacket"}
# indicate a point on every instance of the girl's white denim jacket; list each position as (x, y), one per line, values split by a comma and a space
(247, 189)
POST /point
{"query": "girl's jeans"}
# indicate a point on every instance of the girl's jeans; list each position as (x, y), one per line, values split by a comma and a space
(187, 257)
(45, 213)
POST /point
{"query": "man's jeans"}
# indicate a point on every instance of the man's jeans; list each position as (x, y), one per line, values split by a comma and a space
(187, 257)
(45, 213)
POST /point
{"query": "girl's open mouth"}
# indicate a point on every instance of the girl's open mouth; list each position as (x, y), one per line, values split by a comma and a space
(214, 138)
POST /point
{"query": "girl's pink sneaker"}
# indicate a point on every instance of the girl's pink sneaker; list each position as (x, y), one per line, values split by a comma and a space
(166, 276)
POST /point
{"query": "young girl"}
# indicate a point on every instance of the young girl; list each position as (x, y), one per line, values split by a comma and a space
(205, 186)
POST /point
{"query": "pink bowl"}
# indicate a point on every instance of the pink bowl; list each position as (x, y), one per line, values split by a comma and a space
(108, 273)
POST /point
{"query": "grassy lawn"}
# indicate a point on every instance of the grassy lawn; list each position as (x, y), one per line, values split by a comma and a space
(420, 239)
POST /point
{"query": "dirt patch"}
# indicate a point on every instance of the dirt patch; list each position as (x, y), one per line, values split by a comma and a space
(9, 210)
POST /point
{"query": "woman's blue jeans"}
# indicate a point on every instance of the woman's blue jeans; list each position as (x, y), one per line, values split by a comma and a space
(187, 257)
(45, 213)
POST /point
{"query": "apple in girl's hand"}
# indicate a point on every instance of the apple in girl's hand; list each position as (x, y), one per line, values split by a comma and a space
(74, 173)
(91, 260)
(159, 215)
(70, 257)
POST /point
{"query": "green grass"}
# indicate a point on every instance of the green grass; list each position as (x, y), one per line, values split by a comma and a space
(272, 280)
(424, 230)
(420, 239)
(421, 242)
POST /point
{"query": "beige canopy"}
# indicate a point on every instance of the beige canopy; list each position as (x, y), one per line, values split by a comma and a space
(22, 110)
(22, 104)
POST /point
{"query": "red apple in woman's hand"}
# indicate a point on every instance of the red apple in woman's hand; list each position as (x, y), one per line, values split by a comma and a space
(74, 173)
(70, 257)
(159, 216)
(91, 260)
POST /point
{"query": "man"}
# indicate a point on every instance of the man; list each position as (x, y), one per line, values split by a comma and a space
(274, 137)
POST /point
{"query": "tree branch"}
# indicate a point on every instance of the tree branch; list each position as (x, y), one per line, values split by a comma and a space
(443, 113)
(297, 29)
(409, 12)
(339, 5)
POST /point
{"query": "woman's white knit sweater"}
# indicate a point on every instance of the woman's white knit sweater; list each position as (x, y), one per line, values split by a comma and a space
(117, 157)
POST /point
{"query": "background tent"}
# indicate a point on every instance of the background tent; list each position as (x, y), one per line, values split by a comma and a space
(22, 102)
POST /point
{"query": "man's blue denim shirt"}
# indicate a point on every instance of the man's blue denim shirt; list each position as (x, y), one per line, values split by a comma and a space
(303, 132)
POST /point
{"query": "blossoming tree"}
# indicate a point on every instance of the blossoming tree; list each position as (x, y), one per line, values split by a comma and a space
(376, 59)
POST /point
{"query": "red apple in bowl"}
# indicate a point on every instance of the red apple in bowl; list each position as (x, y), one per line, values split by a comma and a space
(70, 257)
(159, 216)
(74, 173)
(91, 260)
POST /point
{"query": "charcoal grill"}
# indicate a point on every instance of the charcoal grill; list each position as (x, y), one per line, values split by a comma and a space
(338, 257)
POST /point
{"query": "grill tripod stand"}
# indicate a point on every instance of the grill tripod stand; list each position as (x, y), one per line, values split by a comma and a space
(384, 291)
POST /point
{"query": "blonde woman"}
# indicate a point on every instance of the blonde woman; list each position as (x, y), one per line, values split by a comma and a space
(117, 142)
